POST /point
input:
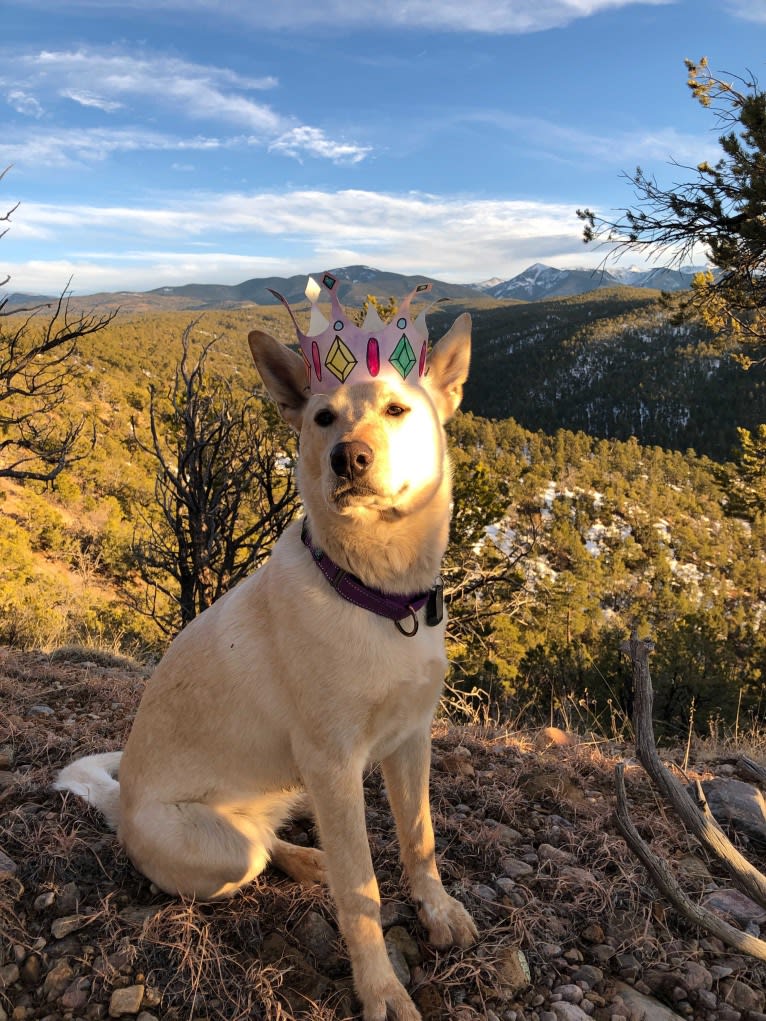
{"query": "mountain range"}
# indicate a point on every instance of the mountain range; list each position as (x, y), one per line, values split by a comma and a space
(536, 282)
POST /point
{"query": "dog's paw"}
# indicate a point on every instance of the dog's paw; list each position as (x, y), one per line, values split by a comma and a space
(391, 1003)
(305, 865)
(447, 921)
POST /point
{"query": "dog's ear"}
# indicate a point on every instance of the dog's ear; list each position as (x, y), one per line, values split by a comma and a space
(448, 367)
(283, 373)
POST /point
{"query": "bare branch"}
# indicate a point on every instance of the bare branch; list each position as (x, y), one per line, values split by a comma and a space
(665, 882)
(702, 824)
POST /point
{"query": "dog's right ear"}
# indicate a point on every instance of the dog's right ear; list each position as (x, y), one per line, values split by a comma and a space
(283, 373)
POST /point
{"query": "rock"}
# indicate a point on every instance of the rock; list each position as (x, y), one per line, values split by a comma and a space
(318, 937)
(40, 710)
(9, 974)
(570, 992)
(6, 756)
(547, 852)
(502, 834)
(126, 1001)
(696, 977)
(76, 995)
(398, 962)
(564, 1011)
(512, 969)
(738, 804)
(61, 927)
(44, 900)
(68, 899)
(735, 905)
(515, 868)
(554, 737)
(457, 762)
(8, 866)
(57, 979)
(400, 937)
(593, 933)
(742, 996)
(31, 970)
(7, 779)
(645, 1006)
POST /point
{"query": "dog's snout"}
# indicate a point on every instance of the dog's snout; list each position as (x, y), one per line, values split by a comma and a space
(352, 459)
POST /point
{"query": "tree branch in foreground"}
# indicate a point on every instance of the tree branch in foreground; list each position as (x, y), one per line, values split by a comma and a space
(697, 818)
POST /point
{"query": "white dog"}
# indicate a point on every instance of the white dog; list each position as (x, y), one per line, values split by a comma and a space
(296, 680)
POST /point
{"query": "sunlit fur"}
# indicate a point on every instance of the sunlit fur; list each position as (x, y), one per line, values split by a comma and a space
(283, 686)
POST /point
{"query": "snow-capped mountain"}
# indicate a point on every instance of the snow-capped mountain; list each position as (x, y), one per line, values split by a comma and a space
(541, 281)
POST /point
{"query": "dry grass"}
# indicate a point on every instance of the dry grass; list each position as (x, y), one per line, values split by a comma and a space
(246, 957)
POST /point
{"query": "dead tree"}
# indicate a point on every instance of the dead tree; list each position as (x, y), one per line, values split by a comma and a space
(40, 432)
(695, 814)
(224, 487)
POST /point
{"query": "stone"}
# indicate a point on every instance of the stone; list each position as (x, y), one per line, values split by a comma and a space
(570, 992)
(735, 905)
(318, 937)
(502, 834)
(9, 974)
(44, 900)
(31, 970)
(512, 969)
(8, 866)
(68, 899)
(515, 868)
(564, 1011)
(76, 994)
(40, 710)
(126, 1001)
(6, 756)
(398, 962)
(400, 937)
(588, 973)
(742, 996)
(547, 852)
(695, 977)
(57, 979)
(7, 779)
(61, 927)
(554, 737)
(739, 805)
(593, 933)
(645, 1006)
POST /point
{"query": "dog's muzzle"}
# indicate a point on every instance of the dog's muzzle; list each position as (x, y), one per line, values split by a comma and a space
(350, 460)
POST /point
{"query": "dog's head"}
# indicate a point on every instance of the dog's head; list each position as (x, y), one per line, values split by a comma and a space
(374, 447)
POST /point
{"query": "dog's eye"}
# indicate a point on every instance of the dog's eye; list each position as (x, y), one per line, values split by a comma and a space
(324, 417)
(394, 410)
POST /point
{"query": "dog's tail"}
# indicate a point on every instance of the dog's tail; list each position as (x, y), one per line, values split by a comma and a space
(95, 779)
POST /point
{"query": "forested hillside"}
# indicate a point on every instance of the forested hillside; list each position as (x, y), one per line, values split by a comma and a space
(611, 364)
(562, 541)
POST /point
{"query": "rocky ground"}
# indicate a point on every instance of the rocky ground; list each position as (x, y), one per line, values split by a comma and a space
(570, 927)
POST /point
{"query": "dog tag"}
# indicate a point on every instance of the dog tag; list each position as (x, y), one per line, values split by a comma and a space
(435, 604)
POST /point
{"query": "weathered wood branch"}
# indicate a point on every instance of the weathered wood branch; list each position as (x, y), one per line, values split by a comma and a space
(666, 884)
(698, 820)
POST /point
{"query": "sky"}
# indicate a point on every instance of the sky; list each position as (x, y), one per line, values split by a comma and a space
(164, 142)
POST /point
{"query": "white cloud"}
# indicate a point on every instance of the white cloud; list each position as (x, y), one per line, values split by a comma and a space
(23, 103)
(750, 10)
(314, 142)
(62, 148)
(90, 99)
(458, 238)
(485, 16)
(187, 92)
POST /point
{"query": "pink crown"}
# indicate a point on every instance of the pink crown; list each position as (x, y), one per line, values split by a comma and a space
(338, 351)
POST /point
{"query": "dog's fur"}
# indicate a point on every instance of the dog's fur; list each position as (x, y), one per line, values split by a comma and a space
(283, 687)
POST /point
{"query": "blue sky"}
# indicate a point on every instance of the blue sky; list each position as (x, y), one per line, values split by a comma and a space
(160, 142)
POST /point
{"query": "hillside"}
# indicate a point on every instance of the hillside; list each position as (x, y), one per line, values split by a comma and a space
(612, 365)
(525, 837)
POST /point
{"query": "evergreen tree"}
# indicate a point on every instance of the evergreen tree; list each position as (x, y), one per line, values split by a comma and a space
(722, 209)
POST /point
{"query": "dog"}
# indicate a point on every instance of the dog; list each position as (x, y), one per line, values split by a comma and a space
(285, 688)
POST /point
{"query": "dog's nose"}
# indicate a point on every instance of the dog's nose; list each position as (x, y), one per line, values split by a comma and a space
(350, 460)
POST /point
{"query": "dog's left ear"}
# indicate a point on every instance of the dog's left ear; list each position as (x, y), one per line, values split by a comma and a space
(448, 367)
(283, 373)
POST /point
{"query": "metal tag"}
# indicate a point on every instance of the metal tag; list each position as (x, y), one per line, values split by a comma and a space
(435, 604)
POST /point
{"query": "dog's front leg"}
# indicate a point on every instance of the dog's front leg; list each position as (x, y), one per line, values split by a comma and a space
(406, 773)
(339, 805)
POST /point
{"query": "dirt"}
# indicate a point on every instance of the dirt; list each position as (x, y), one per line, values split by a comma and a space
(570, 926)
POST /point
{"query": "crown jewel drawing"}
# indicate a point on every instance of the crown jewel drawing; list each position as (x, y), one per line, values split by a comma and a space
(337, 351)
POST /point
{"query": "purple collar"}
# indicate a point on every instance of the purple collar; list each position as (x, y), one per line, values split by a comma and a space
(395, 608)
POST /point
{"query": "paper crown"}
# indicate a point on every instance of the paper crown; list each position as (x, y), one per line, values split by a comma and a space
(338, 351)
